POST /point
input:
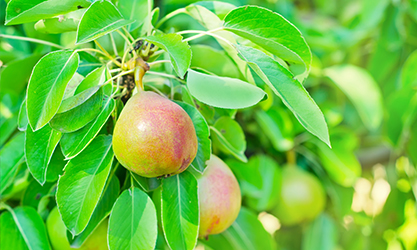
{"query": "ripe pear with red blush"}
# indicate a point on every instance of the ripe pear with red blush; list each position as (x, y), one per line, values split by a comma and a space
(154, 136)
(220, 198)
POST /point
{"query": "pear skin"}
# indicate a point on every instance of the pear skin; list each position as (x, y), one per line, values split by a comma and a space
(219, 196)
(154, 136)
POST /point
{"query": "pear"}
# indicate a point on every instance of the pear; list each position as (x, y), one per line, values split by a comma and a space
(219, 196)
(154, 136)
(302, 197)
(58, 234)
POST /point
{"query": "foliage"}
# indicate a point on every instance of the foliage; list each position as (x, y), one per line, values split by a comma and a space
(329, 86)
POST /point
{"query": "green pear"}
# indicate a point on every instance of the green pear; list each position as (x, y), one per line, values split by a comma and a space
(219, 196)
(58, 234)
(302, 197)
(154, 136)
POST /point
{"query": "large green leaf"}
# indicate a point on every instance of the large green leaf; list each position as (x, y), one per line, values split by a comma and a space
(102, 210)
(82, 184)
(47, 86)
(246, 233)
(73, 143)
(291, 91)
(133, 223)
(77, 117)
(272, 32)
(136, 10)
(39, 146)
(23, 11)
(320, 234)
(179, 51)
(22, 228)
(180, 211)
(223, 92)
(203, 134)
(362, 90)
(101, 17)
(11, 156)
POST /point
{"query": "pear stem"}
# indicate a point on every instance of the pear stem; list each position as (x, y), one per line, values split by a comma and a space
(140, 69)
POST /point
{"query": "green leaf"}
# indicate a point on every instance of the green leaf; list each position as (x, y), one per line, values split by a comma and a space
(133, 223)
(101, 212)
(22, 228)
(101, 17)
(136, 10)
(408, 73)
(320, 234)
(246, 233)
(60, 24)
(219, 8)
(77, 100)
(34, 192)
(292, 92)
(56, 165)
(22, 119)
(272, 130)
(179, 51)
(260, 181)
(93, 80)
(362, 90)
(74, 143)
(47, 86)
(39, 147)
(88, 63)
(229, 137)
(23, 11)
(76, 118)
(14, 77)
(11, 156)
(147, 184)
(82, 184)
(272, 32)
(223, 92)
(180, 211)
(340, 161)
(203, 134)
(220, 64)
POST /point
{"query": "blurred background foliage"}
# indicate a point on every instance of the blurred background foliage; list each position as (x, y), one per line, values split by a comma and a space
(364, 79)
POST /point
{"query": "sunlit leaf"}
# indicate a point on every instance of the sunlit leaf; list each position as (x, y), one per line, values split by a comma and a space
(179, 51)
(101, 17)
(39, 146)
(47, 86)
(133, 223)
(272, 32)
(82, 184)
(223, 92)
(22, 228)
(180, 211)
(362, 90)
